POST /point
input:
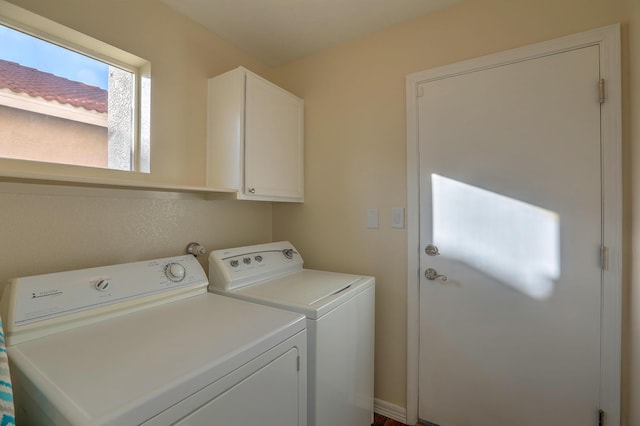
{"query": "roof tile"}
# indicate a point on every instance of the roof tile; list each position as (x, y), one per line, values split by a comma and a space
(36, 83)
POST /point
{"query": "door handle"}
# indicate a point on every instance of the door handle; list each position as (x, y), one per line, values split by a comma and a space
(432, 274)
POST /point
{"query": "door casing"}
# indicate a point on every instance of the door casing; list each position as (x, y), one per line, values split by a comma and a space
(608, 40)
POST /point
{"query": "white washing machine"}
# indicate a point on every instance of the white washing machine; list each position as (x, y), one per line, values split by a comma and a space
(145, 343)
(340, 323)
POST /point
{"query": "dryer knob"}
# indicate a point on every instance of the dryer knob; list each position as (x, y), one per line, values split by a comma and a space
(288, 253)
(175, 272)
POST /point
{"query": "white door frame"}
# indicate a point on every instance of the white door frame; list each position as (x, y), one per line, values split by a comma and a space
(608, 40)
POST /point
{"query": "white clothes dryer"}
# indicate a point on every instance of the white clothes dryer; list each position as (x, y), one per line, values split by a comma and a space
(145, 343)
(340, 323)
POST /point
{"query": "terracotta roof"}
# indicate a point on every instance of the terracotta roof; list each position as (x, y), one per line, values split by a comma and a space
(35, 83)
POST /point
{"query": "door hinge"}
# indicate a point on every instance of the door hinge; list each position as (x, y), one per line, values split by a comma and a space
(604, 258)
(419, 92)
(600, 418)
(601, 90)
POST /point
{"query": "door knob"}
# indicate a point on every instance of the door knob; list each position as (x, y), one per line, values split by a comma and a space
(432, 274)
(432, 250)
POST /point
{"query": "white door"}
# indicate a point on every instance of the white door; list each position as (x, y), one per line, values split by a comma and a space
(510, 193)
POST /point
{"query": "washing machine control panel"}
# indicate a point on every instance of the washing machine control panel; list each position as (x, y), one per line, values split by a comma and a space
(97, 291)
(241, 266)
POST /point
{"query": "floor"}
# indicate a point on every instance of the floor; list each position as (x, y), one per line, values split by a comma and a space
(379, 420)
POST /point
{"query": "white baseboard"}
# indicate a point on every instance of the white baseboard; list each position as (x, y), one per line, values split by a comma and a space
(390, 410)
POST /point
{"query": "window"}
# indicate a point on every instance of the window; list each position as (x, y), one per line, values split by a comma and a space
(63, 99)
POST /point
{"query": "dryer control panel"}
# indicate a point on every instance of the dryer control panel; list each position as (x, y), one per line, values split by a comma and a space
(230, 269)
(42, 304)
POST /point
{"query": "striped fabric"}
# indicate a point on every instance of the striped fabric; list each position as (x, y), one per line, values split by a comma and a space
(6, 394)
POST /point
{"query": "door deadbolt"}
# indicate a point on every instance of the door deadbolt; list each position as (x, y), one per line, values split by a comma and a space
(432, 250)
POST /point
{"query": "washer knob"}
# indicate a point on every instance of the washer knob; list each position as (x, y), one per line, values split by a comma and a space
(175, 272)
(103, 284)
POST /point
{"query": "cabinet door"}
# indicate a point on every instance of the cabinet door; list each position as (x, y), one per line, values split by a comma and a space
(273, 150)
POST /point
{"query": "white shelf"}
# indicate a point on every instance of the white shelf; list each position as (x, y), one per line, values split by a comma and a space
(38, 180)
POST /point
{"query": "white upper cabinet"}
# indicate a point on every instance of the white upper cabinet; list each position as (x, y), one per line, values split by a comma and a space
(254, 138)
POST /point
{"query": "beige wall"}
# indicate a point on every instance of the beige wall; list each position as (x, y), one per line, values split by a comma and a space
(356, 150)
(46, 229)
(355, 153)
(49, 230)
(631, 168)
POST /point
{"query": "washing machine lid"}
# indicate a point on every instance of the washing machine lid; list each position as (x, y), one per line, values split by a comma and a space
(127, 369)
(310, 292)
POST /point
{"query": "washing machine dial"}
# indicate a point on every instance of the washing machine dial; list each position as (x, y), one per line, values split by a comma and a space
(102, 284)
(175, 272)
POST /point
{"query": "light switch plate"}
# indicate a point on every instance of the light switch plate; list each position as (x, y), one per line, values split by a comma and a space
(372, 218)
(397, 217)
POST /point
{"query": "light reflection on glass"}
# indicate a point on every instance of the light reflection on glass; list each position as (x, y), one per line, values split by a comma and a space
(516, 243)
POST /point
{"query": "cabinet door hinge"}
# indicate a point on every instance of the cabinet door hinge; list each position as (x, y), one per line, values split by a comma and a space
(600, 418)
(419, 91)
(604, 258)
(601, 90)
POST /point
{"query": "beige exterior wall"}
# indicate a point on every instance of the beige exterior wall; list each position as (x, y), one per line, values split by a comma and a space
(356, 151)
(31, 136)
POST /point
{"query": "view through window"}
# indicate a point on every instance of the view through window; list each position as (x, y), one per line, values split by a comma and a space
(61, 106)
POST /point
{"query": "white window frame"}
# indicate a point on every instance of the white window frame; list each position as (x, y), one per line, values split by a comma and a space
(37, 26)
